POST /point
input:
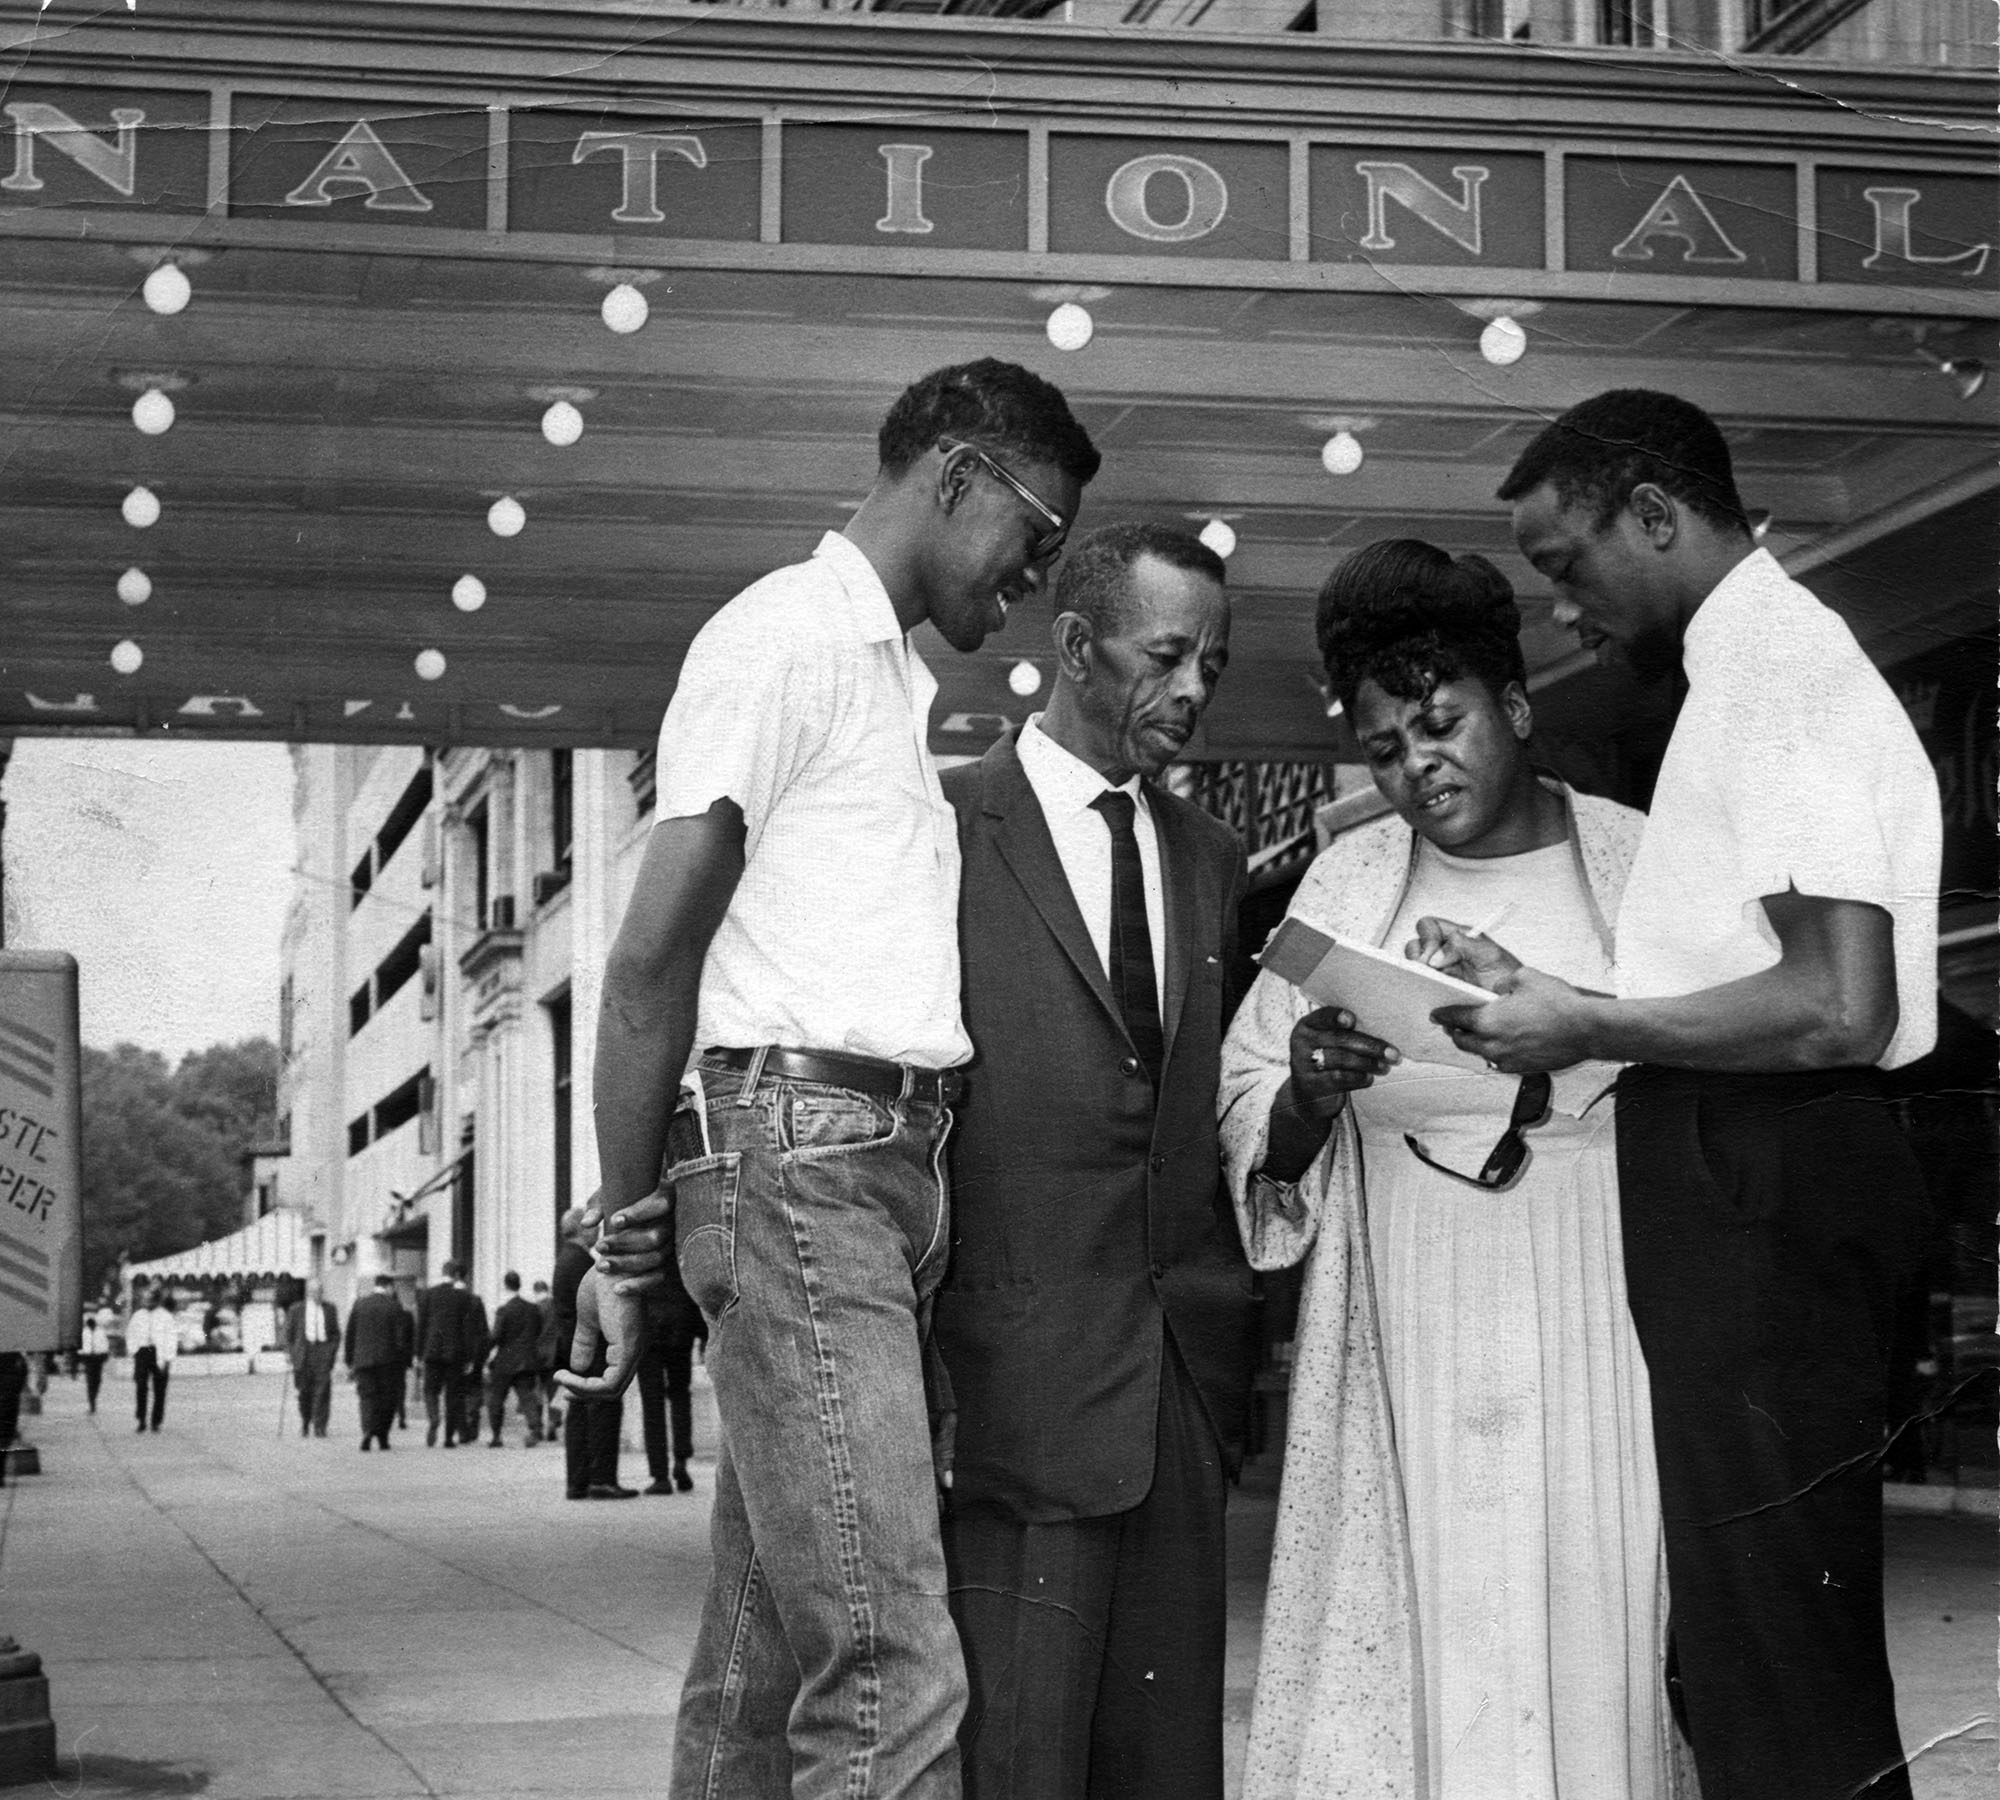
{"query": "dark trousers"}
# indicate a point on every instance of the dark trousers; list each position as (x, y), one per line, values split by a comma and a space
(149, 1378)
(314, 1380)
(93, 1378)
(377, 1392)
(526, 1388)
(1094, 1647)
(13, 1384)
(1769, 1223)
(450, 1393)
(664, 1373)
(591, 1430)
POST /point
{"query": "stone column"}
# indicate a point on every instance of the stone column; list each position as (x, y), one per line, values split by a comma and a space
(590, 927)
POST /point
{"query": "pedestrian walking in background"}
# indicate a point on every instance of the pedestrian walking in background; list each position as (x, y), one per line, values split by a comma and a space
(515, 1338)
(674, 1326)
(451, 1339)
(153, 1337)
(92, 1350)
(591, 1428)
(546, 1354)
(312, 1343)
(377, 1350)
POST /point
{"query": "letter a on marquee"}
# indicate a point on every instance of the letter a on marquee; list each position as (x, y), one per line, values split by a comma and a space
(360, 164)
(1679, 213)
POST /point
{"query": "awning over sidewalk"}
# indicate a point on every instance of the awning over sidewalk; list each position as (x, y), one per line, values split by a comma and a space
(280, 1243)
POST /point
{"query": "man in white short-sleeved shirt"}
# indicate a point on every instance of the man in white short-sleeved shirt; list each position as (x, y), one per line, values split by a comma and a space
(793, 938)
(1775, 951)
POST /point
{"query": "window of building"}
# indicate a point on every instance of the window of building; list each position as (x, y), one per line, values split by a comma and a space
(358, 1009)
(559, 1043)
(402, 962)
(478, 830)
(400, 1105)
(403, 816)
(361, 880)
(357, 1135)
(644, 779)
(562, 807)
(287, 999)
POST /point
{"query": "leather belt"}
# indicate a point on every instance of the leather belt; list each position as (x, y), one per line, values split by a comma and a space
(864, 1074)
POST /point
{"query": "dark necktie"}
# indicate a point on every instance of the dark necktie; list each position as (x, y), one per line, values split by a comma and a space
(1132, 978)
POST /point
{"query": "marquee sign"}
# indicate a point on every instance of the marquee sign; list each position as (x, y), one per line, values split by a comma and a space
(966, 184)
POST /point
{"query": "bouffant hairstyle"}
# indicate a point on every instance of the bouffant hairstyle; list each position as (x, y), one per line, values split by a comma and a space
(1406, 615)
(1604, 447)
(999, 406)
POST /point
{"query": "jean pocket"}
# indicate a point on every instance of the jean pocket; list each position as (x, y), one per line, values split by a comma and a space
(836, 1121)
(1740, 1151)
(705, 1193)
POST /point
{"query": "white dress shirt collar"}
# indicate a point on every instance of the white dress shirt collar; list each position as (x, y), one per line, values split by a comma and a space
(1063, 779)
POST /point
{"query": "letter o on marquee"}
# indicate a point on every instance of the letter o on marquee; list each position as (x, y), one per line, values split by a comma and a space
(1205, 197)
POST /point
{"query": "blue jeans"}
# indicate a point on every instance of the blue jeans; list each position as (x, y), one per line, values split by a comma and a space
(812, 1235)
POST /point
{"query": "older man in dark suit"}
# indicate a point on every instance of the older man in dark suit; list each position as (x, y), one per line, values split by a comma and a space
(312, 1342)
(517, 1329)
(377, 1350)
(1097, 1318)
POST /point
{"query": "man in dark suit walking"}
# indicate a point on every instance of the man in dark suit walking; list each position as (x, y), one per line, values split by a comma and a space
(451, 1339)
(377, 1351)
(1097, 1318)
(312, 1342)
(517, 1330)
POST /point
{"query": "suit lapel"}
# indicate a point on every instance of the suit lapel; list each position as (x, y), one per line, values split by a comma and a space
(1177, 890)
(1021, 835)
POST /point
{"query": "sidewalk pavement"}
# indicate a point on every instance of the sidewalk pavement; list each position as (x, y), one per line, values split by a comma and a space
(230, 1610)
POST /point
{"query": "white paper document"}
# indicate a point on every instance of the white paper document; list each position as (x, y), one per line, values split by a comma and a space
(1390, 997)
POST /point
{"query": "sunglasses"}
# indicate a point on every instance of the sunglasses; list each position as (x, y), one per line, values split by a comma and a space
(1048, 544)
(1505, 1161)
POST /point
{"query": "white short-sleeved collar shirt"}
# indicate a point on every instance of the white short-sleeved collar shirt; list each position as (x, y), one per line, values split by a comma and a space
(803, 702)
(1792, 766)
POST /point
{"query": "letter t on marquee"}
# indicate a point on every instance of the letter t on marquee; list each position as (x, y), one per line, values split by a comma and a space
(640, 153)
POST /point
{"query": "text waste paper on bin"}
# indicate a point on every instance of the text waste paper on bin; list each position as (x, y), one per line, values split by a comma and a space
(41, 1193)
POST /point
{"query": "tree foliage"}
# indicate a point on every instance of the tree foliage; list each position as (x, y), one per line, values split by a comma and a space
(163, 1147)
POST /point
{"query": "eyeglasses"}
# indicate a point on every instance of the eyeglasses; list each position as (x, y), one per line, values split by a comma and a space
(1048, 544)
(1504, 1163)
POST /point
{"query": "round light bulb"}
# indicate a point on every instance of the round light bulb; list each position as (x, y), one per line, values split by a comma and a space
(153, 412)
(1341, 453)
(468, 593)
(506, 516)
(126, 657)
(1024, 679)
(430, 664)
(167, 289)
(141, 508)
(624, 308)
(562, 424)
(1220, 536)
(1503, 342)
(135, 587)
(1070, 326)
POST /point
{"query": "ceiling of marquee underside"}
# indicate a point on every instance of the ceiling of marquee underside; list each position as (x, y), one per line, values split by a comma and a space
(346, 421)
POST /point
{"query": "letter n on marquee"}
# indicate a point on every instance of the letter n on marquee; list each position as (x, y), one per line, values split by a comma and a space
(360, 164)
(116, 165)
(1456, 219)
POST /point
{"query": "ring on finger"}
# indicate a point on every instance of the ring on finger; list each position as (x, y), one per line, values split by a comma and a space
(1318, 1060)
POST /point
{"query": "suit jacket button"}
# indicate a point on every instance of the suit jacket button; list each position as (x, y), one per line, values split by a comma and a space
(1130, 1066)
(1159, 1271)
(1158, 1164)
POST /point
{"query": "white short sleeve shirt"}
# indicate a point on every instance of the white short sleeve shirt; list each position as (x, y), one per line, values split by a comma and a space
(802, 701)
(1792, 766)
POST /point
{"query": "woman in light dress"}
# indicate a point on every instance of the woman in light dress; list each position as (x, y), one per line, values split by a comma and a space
(1467, 1596)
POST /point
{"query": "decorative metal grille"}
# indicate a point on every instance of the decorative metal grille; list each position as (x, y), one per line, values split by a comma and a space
(1270, 804)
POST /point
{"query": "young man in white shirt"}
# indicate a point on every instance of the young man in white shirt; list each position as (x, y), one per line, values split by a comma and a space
(1776, 950)
(793, 935)
(153, 1340)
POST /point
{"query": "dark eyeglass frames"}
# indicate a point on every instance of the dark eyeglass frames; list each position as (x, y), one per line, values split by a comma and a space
(1048, 544)
(1504, 1163)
